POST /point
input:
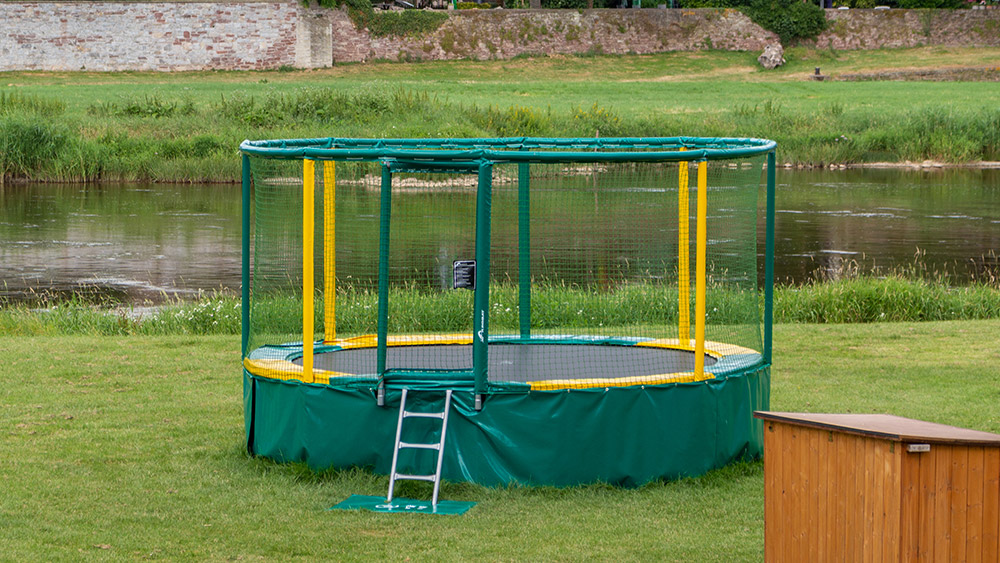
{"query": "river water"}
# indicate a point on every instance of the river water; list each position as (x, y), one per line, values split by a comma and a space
(150, 243)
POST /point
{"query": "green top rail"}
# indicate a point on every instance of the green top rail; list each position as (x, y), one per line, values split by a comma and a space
(514, 149)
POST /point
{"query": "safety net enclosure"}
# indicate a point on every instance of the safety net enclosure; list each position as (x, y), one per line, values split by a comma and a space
(593, 304)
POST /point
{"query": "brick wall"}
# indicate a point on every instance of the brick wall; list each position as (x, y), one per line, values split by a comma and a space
(266, 35)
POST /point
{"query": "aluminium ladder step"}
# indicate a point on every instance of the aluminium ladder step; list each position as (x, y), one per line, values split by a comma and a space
(407, 414)
(399, 445)
(420, 446)
(403, 476)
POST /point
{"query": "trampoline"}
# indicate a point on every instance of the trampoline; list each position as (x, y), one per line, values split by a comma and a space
(594, 305)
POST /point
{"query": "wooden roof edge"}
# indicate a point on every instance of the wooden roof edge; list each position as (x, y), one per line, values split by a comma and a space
(886, 427)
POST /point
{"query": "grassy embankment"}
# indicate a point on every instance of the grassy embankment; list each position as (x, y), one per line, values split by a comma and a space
(128, 448)
(865, 299)
(185, 126)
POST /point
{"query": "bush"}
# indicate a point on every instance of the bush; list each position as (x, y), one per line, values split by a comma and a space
(790, 19)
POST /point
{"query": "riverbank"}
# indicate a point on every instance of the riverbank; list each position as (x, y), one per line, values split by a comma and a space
(865, 299)
(185, 127)
(133, 447)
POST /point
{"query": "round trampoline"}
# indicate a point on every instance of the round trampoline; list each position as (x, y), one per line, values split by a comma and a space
(593, 305)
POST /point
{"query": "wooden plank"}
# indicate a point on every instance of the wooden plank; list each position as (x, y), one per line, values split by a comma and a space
(790, 469)
(909, 503)
(942, 502)
(991, 504)
(891, 507)
(868, 486)
(877, 494)
(958, 501)
(839, 495)
(811, 486)
(833, 463)
(974, 509)
(772, 489)
(925, 510)
(857, 524)
(796, 498)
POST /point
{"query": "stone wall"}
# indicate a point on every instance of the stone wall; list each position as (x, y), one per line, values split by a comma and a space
(874, 29)
(154, 36)
(267, 35)
(485, 34)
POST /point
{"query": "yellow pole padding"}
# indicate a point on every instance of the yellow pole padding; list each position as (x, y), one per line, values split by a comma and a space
(329, 251)
(683, 254)
(701, 251)
(308, 291)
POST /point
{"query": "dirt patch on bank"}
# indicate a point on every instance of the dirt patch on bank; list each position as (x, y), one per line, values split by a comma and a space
(962, 74)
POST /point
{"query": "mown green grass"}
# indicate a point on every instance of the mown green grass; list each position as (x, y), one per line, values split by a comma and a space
(132, 448)
(186, 126)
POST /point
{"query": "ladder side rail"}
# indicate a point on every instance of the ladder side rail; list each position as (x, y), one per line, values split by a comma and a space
(395, 447)
(444, 431)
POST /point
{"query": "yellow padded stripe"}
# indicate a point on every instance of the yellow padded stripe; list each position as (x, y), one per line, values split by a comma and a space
(285, 370)
(659, 379)
(371, 340)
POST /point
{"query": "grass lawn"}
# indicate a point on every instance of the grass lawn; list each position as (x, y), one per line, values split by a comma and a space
(131, 448)
(634, 85)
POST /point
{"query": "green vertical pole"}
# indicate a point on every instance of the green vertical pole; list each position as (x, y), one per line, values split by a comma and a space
(383, 267)
(769, 259)
(524, 247)
(245, 298)
(481, 298)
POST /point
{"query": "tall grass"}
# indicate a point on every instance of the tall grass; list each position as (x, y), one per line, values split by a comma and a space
(164, 137)
(862, 299)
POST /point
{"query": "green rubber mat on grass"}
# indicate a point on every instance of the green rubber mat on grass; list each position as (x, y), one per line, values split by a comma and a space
(403, 505)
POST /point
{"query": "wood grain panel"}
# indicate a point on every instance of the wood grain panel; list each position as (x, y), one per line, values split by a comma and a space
(974, 508)
(991, 504)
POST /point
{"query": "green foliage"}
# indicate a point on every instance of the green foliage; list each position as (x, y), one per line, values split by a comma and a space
(473, 6)
(26, 144)
(790, 19)
(515, 121)
(321, 105)
(597, 121)
(861, 299)
(891, 299)
(13, 102)
(150, 105)
(406, 23)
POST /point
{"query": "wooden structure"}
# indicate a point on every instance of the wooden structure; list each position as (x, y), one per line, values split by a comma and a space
(850, 487)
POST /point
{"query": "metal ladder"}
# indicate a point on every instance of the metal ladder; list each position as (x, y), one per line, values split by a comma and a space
(436, 477)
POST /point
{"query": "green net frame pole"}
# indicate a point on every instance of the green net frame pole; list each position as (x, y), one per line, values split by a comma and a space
(481, 299)
(769, 258)
(245, 276)
(524, 247)
(385, 210)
